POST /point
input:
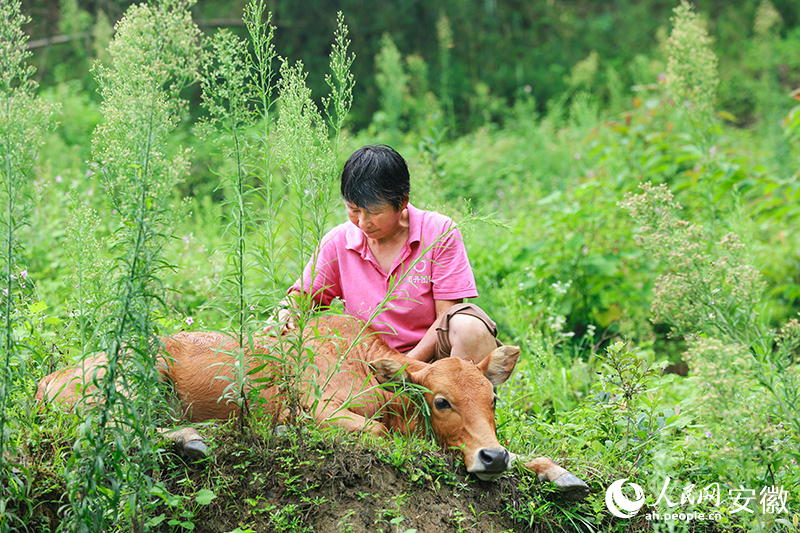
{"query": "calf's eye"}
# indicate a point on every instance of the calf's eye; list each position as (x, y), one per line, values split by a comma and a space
(441, 403)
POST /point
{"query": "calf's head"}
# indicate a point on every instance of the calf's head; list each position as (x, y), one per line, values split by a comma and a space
(461, 401)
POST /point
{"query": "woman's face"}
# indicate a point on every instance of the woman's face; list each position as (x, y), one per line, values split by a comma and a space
(376, 222)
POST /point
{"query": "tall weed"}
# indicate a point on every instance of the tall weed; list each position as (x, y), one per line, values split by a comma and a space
(88, 273)
(299, 144)
(264, 73)
(392, 81)
(308, 147)
(228, 96)
(691, 74)
(24, 121)
(444, 34)
(153, 57)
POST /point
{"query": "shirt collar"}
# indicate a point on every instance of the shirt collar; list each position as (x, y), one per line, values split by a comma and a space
(357, 241)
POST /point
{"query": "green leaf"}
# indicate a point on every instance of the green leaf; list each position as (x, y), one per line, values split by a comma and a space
(36, 307)
(154, 521)
(204, 496)
(727, 115)
(610, 315)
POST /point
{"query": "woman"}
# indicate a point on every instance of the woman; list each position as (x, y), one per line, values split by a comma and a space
(400, 268)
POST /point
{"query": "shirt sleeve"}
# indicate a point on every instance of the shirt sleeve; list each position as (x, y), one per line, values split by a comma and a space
(451, 274)
(323, 269)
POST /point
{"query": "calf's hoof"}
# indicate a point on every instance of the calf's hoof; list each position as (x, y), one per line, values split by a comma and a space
(195, 450)
(571, 486)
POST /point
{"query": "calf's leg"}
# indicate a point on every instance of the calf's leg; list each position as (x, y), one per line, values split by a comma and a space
(187, 440)
(334, 415)
(570, 485)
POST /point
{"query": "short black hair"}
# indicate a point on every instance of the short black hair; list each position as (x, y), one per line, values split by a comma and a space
(375, 175)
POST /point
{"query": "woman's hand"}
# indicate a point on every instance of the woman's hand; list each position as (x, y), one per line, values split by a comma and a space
(285, 319)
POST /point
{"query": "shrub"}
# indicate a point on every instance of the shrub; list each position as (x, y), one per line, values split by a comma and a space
(744, 371)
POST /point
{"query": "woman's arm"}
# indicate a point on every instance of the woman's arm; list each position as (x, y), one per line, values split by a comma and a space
(426, 347)
(288, 310)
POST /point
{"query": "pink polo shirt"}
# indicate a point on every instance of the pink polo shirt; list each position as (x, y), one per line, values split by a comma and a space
(432, 265)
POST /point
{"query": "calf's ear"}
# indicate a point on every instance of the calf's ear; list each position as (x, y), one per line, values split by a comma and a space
(386, 370)
(499, 364)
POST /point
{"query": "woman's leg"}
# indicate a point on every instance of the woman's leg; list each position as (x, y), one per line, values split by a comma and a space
(466, 331)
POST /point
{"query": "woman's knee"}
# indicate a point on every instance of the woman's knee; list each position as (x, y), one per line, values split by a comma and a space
(470, 337)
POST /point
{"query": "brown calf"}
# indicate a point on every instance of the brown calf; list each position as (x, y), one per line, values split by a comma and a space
(461, 397)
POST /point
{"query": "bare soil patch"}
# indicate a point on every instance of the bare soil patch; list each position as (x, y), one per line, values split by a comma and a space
(318, 482)
(343, 484)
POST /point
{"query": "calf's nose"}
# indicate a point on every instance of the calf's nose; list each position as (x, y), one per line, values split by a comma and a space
(494, 459)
